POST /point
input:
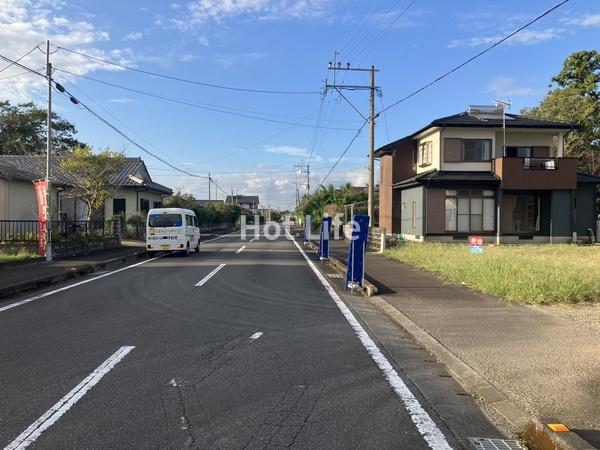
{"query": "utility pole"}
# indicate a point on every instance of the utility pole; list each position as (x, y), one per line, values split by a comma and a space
(305, 169)
(371, 197)
(48, 154)
(336, 66)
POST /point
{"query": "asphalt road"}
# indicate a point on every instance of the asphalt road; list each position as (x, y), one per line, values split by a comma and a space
(228, 348)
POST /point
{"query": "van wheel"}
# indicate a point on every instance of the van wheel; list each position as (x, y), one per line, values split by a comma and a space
(187, 250)
(198, 247)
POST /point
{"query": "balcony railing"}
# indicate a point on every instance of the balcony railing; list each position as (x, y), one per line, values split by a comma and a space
(540, 163)
(536, 173)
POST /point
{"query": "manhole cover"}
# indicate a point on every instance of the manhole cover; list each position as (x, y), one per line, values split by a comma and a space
(494, 444)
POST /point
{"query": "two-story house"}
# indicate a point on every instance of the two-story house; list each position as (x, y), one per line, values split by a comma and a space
(486, 173)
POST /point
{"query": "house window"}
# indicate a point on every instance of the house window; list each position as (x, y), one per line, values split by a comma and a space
(144, 205)
(469, 211)
(476, 150)
(119, 206)
(526, 214)
(157, 204)
(425, 153)
(519, 152)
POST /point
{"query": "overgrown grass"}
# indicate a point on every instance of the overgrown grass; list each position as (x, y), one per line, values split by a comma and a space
(543, 274)
(5, 257)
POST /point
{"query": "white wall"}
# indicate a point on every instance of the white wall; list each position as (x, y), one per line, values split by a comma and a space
(434, 138)
(466, 133)
(131, 205)
(524, 138)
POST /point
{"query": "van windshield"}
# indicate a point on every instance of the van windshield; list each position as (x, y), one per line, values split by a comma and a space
(164, 220)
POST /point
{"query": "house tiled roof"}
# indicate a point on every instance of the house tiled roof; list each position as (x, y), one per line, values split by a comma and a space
(440, 176)
(467, 120)
(30, 168)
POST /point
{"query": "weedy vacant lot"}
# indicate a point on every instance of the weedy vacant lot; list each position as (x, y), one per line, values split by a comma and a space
(526, 273)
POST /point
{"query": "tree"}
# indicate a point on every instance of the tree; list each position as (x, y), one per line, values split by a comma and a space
(23, 131)
(180, 200)
(575, 96)
(90, 175)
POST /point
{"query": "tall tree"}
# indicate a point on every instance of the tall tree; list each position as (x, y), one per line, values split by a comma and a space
(23, 131)
(180, 200)
(575, 96)
(90, 175)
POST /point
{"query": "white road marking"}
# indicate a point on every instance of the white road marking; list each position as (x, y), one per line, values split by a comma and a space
(219, 237)
(34, 431)
(256, 335)
(64, 288)
(251, 240)
(241, 249)
(425, 425)
(210, 275)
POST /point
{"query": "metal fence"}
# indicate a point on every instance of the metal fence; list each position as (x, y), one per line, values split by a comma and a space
(22, 231)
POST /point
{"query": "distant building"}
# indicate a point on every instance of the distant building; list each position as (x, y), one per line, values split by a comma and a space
(202, 203)
(250, 202)
(135, 190)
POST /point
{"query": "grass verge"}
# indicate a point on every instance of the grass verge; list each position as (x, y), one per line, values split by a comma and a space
(21, 256)
(544, 274)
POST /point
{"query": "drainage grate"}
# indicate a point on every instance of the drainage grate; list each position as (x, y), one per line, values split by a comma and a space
(494, 444)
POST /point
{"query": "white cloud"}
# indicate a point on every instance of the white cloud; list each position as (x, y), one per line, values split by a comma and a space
(526, 37)
(120, 100)
(133, 36)
(203, 40)
(289, 150)
(587, 20)
(27, 23)
(228, 60)
(202, 11)
(507, 86)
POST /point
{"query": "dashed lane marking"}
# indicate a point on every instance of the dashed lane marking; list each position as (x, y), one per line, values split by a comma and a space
(209, 276)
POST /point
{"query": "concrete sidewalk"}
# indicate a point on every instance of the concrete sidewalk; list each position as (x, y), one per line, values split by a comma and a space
(26, 276)
(545, 360)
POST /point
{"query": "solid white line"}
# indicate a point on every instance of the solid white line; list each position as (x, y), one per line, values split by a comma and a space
(219, 237)
(256, 335)
(425, 425)
(241, 249)
(251, 240)
(64, 288)
(34, 431)
(210, 275)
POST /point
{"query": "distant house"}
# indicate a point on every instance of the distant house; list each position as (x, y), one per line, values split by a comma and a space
(245, 201)
(483, 172)
(136, 192)
(202, 203)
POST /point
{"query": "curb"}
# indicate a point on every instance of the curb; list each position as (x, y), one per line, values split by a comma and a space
(369, 289)
(534, 431)
(73, 272)
(21, 262)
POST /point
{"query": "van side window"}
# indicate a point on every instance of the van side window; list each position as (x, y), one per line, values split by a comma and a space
(188, 220)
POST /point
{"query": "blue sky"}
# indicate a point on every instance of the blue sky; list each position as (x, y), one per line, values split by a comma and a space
(282, 45)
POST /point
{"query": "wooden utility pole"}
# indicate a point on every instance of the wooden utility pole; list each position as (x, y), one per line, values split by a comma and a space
(48, 154)
(371, 197)
(335, 66)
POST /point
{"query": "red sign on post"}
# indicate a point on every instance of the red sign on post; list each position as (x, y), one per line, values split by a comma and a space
(41, 192)
(476, 241)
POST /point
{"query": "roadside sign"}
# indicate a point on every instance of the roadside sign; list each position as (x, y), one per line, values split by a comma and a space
(324, 241)
(355, 272)
(476, 244)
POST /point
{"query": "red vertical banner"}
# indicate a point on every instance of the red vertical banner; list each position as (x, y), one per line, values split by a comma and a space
(41, 192)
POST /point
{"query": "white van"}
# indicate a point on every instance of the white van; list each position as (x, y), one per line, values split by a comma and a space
(172, 230)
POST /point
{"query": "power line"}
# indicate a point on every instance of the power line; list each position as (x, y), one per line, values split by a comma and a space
(194, 105)
(184, 80)
(365, 20)
(472, 58)
(343, 153)
(20, 74)
(378, 38)
(22, 57)
(117, 130)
